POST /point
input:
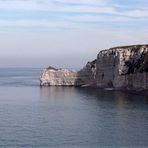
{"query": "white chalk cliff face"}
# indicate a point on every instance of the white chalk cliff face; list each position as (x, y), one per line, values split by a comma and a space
(57, 77)
(119, 67)
(123, 67)
(63, 77)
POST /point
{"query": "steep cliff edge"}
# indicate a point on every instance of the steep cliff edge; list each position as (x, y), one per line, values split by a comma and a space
(123, 67)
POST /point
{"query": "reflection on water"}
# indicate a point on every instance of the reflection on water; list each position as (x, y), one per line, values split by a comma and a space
(67, 117)
(57, 92)
(117, 98)
(101, 117)
(70, 117)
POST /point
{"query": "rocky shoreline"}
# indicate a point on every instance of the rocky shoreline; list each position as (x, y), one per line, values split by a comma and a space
(119, 68)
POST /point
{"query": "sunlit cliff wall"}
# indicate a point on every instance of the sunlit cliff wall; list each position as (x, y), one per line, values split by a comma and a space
(123, 67)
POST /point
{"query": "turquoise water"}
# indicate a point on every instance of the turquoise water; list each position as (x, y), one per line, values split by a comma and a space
(67, 117)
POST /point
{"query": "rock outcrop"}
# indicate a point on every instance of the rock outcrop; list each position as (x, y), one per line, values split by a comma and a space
(123, 67)
(58, 77)
(64, 77)
(87, 74)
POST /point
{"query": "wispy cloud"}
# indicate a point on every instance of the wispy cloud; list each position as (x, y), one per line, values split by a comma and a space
(50, 29)
(136, 13)
(67, 13)
(56, 6)
(30, 23)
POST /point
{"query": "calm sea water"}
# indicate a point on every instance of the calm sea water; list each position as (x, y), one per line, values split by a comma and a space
(67, 117)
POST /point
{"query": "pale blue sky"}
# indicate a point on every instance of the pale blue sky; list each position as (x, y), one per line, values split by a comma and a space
(38, 33)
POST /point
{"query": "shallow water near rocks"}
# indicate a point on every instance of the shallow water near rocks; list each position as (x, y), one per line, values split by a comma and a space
(31, 116)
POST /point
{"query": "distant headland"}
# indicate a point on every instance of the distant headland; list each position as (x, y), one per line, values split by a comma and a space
(124, 67)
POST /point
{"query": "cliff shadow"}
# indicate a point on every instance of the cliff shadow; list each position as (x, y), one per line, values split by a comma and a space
(86, 76)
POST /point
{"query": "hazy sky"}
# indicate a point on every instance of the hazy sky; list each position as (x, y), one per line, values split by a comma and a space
(68, 33)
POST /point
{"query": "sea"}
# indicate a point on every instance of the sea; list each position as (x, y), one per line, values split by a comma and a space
(67, 117)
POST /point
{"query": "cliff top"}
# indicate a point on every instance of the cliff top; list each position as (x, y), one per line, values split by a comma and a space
(133, 47)
(130, 46)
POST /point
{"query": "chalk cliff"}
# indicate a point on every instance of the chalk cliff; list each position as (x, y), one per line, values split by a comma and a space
(58, 77)
(64, 77)
(123, 67)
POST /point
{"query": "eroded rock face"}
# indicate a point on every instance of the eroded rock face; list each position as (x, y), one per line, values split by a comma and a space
(63, 77)
(123, 67)
(87, 74)
(57, 77)
(119, 67)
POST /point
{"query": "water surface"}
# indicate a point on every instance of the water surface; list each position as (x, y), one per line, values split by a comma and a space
(67, 117)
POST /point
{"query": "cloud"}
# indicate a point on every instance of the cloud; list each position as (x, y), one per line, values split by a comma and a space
(81, 2)
(70, 6)
(137, 13)
(67, 13)
(56, 6)
(34, 23)
(20, 5)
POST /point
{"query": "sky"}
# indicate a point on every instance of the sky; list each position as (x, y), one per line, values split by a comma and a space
(67, 33)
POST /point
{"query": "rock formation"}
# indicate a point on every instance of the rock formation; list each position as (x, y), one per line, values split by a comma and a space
(64, 77)
(58, 77)
(123, 67)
